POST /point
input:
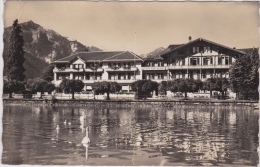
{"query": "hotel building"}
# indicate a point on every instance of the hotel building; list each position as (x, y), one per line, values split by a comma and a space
(197, 59)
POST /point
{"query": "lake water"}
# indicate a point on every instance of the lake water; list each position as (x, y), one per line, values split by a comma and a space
(181, 135)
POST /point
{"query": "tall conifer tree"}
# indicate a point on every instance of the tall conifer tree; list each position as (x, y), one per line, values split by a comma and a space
(15, 69)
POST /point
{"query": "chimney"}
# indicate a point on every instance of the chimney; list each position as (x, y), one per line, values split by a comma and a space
(190, 38)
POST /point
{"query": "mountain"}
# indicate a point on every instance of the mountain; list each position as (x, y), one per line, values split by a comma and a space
(154, 53)
(43, 46)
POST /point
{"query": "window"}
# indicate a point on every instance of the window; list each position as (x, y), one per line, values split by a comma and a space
(78, 66)
(211, 60)
(94, 77)
(211, 74)
(150, 76)
(201, 49)
(183, 74)
(183, 61)
(204, 74)
(198, 74)
(205, 61)
(109, 65)
(87, 76)
(62, 76)
(160, 76)
(205, 49)
(194, 61)
(226, 60)
(173, 61)
(197, 49)
(191, 75)
(219, 60)
(230, 60)
(194, 49)
(160, 64)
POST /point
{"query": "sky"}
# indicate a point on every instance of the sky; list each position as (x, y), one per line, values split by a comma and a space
(142, 27)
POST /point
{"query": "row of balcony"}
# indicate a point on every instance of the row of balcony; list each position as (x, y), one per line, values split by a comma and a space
(118, 69)
(124, 81)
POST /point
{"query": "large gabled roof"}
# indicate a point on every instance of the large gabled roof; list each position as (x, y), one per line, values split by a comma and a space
(180, 46)
(101, 56)
(124, 56)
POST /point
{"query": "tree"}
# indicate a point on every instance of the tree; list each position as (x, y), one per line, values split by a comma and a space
(144, 87)
(49, 87)
(216, 84)
(106, 87)
(14, 65)
(13, 86)
(72, 86)
(39, 85)
(184, 85)
(47, 73)
(163, 87)
(244, 75)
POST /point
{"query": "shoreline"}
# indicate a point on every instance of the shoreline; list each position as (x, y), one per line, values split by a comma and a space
(158, 102)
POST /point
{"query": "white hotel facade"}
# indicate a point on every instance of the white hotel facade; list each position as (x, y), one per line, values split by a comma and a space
(197, 59)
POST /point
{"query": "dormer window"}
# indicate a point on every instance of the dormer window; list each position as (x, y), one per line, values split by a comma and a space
(160, 64)
(78, 66)
(201, 49)
(196, 49)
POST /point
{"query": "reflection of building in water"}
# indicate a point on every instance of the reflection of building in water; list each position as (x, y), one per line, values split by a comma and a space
(124, 119)
(232, 117)
(104, 128)
(138, 139)
(36, 110)
(169, 114)
(210, 149)
(190, 115)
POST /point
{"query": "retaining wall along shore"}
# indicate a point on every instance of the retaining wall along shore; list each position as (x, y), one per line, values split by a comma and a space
(161, 103)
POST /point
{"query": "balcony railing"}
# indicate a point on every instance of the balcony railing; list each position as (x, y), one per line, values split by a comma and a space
(78, 69)
(198, 67)
(94, 69)
(154, 68)
(121, 69)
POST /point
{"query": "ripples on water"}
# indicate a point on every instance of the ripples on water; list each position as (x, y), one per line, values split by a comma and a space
(181, 135)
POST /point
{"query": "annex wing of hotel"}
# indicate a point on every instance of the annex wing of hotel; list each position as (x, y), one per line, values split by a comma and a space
(197, 59)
